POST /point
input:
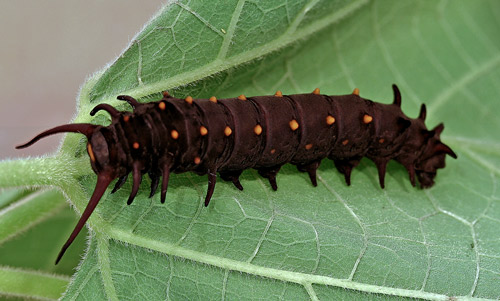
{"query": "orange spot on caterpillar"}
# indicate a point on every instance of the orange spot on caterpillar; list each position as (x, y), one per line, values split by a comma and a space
(135, 145)
(330, 120)
(273, 151)
(316, 91)
(174, 134)
(165, 94)
(257, 129)
(91, 152)
(367, 119)
(126, 118)
(309, 146)
(242, 97)
(345, 142)
(278, 94)
(213, 99)
(355, 91)
(228, 131)
(203, 130)
(189, 100)
(162, 106)
(197, 160)
(294, 124)
(381, 140)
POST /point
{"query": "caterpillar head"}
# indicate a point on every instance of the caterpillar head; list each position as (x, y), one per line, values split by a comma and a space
(98, 150)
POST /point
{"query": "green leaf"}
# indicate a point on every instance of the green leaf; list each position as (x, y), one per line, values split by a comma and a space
(300, 242)
(30, 238)
(26, 284)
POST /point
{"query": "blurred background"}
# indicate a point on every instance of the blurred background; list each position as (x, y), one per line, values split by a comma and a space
(46, 53)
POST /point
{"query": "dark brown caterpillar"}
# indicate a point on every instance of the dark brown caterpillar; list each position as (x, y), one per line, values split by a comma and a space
(263, 132)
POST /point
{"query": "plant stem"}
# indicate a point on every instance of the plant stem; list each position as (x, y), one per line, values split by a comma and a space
(57, 171)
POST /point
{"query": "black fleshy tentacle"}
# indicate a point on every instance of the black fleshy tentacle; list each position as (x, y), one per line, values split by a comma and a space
(212, 179)
(136, 173)
(103, 181)
(83, 128)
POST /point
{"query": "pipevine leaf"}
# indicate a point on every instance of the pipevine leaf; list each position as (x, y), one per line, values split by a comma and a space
(300, 242)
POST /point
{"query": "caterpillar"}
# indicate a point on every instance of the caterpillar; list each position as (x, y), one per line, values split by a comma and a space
(227, 136)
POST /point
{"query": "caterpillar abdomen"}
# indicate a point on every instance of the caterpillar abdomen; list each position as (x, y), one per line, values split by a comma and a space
(227, 136)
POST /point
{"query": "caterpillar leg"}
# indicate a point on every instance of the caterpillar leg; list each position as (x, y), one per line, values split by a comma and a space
(212, 178)
(270, 174)
(311, 170)
(232, 176)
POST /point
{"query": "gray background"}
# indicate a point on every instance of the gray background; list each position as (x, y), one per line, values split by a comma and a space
(47, 50)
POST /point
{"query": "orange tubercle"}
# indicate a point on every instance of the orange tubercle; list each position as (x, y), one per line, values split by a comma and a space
(174, 134)
(203, 130)
(294, 124)
(257, 129)
(367, 119)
